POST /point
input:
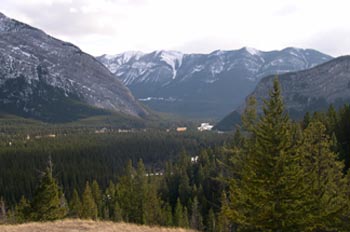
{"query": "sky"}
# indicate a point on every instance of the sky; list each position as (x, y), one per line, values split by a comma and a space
(190, 26)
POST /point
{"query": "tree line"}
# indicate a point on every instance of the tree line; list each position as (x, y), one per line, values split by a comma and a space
(273, 175)
(86, 157)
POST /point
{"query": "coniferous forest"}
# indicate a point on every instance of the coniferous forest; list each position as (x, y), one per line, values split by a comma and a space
(272, 174)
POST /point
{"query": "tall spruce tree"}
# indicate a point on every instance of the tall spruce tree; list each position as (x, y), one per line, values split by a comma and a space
(167, 216)
(125, 194)
(75, 206)
(179, 217)
(196, 217)
(325, 179)
(152, 204)
(117, 212)
(89, 207)
(47, 205)
(97, 195)
(223, 223)
(269, 194)
(140, 193)
(211, 221)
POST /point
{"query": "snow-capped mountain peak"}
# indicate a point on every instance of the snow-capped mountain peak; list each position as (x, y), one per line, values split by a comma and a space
(199, 83)
(38, 71)
(252, 51)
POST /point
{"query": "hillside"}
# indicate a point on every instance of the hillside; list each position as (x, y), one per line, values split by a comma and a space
(84, 226)
(51, 80)
(305, 91)
(203, 85)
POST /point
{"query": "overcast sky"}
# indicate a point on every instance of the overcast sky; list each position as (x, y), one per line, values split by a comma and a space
(201, 26)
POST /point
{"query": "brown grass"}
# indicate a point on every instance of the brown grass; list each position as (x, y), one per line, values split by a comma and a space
(84, 226)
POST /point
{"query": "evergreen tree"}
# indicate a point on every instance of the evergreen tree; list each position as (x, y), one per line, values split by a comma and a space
(140, 193)
(167, 216)
(224, 223)
(196, 218)
(186, 223)
(211, 221)
(268, 195)
(118, 215)
(249, 116)
(325, 179)
(75, 206)
(306, 120)
(97, 195)
(89, 207)
(110, 201)
(47, 204)
(152, 205)
(180, 219)
(332, 120)
(22, 210)
(125, 194)
(184, 187)
(343, 135)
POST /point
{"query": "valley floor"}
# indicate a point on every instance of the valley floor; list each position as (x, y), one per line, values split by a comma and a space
(84, 226)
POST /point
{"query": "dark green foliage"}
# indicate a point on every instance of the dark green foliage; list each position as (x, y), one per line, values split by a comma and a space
(22, 210)
(167, 215)
(212, 224)
(75, 153)
(75, 206)
(117, 213)
(185, 223)
(272, 175)
(45, 103)
(196, 217)
(97, 195)
(268, 195)
(48, 203)
(89, 207)
(224, 223)
(324, 179)
(179, 216)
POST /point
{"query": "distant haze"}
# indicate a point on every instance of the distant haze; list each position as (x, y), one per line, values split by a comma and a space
(200, 26)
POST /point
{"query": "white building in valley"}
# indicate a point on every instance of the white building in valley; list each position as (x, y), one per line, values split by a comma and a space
(205, 127)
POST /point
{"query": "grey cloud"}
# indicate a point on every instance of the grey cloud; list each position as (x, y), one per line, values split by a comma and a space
(57, 18)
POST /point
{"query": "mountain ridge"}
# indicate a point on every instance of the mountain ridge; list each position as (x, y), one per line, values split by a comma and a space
(36, 59)
(203, 85)
(308, 90)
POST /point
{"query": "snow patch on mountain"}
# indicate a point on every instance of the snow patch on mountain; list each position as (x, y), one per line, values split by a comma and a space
(131, 54)
(170, 99)
(173, 59)
(252, 51)
(39, 62)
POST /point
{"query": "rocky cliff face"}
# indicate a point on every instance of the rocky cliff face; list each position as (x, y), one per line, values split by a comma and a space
(305, 91)
(39, 73)
(313, 89)
(203, 85)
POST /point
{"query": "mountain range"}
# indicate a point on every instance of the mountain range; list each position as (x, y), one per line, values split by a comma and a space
(51, 80)
(304, 91)
(48, 79)
(203, 85)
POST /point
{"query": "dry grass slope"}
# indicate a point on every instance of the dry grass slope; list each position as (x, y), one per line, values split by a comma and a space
(84, 226)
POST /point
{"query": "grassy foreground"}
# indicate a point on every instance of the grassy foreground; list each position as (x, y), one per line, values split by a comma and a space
(84, 226)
